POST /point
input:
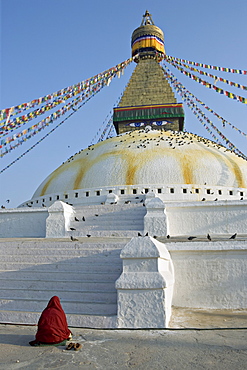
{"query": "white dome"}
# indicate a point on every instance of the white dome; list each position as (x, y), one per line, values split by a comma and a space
(153, 157)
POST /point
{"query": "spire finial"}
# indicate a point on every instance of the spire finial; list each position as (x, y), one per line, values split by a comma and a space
(147, 40)
(147, 19)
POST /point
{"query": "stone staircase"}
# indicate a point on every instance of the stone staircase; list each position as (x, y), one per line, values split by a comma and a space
(108, 220)
(81, 273)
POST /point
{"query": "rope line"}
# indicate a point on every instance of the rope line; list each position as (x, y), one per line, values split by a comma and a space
(77, 88)
(216, 78)
(211, 86)
(44, 137)
(209, 66)
(192, 105)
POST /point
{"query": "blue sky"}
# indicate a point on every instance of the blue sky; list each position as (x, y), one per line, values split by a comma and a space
(47, 45)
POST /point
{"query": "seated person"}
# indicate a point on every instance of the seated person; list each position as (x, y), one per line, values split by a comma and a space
(52, 326)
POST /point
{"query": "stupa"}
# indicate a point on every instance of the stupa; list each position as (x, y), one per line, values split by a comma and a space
(153, 179)
(151, 152)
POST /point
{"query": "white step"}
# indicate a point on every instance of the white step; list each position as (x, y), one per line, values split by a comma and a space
(85, 266)
(82, 274)
(56, 275)
(85, 296)
(70, 307)
(81, 321)
(59, 284)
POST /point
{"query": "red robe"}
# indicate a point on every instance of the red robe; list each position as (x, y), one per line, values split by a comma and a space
(52, 325)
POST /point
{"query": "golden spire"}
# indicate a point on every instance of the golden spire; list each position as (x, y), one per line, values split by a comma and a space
(147, 40)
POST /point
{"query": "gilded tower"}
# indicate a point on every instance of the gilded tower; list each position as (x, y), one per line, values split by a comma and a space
(148, 99)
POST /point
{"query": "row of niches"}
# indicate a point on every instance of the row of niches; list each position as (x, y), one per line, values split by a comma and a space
(172, 192)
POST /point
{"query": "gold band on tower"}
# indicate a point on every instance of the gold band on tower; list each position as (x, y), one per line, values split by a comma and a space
(147, 40)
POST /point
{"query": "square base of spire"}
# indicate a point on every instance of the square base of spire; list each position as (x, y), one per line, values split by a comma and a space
(159, 116)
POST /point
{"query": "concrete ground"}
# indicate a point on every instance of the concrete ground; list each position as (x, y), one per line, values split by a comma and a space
(201, 340)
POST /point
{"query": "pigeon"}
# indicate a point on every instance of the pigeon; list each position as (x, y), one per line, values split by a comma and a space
(88, 235)
(191, 237)
(72, 229)
(83, 218)
(127, 202)
(73, 239)
(76, 219)
(168, 236)
(209, 237)
(146, 234)
(96, 215)
(139, 234)
(203, 199)
(233, 236)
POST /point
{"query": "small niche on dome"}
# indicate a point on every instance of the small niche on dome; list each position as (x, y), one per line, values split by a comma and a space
(134, 191)
(109, 191)
(208, 191)
(122, 191)
(197, 191)
(87, 193)
(184, 191)
(98, 193)
(146, 191)
(57, 197)
(230, 192)
(220, 192)
(241, 193)
(66, 196)
(76, 195)
(171, 190)
(159, 191)
(50, 199)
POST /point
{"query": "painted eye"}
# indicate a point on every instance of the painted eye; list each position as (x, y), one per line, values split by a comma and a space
(160, 123)
(136, 124)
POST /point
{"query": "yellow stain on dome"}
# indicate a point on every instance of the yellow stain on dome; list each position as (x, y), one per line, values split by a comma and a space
(237, 172)
(134, 159)
(186, 171)
(86, 167)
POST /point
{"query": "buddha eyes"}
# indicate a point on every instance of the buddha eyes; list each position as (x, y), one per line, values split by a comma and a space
(137, 124)
(154, 123)
(160, 123)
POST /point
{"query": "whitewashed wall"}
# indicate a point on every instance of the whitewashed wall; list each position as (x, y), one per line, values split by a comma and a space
(210, 275)
(183, 218)
(23, 223)
(201, 218)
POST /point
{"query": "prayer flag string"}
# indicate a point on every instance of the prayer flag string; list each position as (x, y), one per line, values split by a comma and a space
(224, 121)
(210, 86)
(209, 66)
(216, 78)
(34, 129)
(58, 96)
(44, 137)
(26, 134)
(183, 92)
(107, 119)
(109, 124)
